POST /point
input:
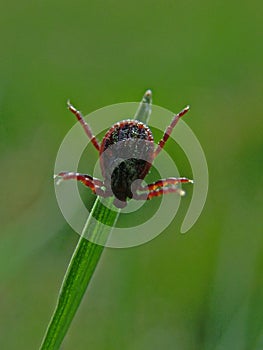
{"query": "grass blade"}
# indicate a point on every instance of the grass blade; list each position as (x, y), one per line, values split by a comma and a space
(85, 258)
(80, 270)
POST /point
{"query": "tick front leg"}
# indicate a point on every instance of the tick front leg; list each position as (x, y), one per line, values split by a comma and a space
(170, 181)
(169, 130)
(165, 190)
(85, 125)
(162, 187)
(96, 185)
(158, 192)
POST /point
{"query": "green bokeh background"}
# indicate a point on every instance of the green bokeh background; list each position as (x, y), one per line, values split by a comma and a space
(202, 290)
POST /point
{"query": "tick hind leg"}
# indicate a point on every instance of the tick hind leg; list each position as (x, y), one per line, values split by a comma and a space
(85, 125)
(96, 185)
(169, 130)
(162, 187)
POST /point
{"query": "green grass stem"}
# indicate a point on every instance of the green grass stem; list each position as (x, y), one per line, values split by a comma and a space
(85, 258)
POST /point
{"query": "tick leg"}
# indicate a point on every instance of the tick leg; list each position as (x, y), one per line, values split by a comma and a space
(85, 125)
(172, 181)
(161, 187)
(96, 185)
(158, 192)
(165, 190)
(169, 130)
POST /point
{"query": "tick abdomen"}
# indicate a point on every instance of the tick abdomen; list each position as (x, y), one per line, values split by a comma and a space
(126, 155)
(125, 174)
(125, 162)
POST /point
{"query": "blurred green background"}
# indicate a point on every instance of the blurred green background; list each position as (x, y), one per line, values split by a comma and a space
(202, 290)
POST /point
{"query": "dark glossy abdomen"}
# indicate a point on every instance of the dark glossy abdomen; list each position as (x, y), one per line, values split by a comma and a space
(126, 155)
(125, 174)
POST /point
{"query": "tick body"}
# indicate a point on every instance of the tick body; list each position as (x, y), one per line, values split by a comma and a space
(127, 152)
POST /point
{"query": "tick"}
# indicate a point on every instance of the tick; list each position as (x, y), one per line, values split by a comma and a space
(127, 152)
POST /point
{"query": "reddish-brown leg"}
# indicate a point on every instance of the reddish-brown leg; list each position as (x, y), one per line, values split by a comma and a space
(96, 185)
(161, 187)
(158, 192)
(165, 190)
(85, 125)
(169, 130)
(172, 181)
